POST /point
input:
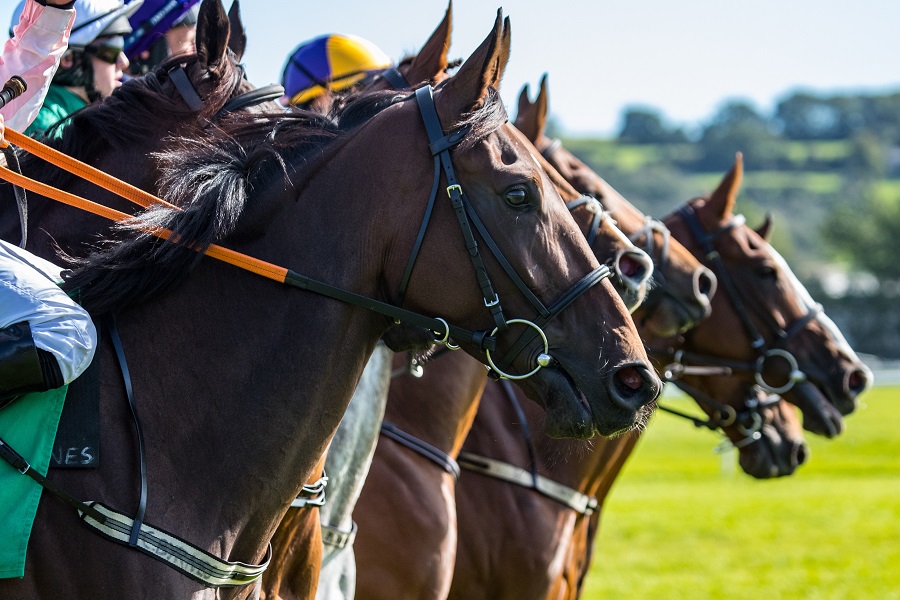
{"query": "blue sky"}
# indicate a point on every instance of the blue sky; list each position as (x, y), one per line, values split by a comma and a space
(683, 57)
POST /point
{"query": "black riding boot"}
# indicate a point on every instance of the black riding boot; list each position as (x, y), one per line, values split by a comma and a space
(23, 366)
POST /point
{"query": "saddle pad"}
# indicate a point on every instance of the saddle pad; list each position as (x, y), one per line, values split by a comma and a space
(28, 425)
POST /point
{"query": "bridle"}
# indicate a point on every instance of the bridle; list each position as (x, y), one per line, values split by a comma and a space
(440, 146)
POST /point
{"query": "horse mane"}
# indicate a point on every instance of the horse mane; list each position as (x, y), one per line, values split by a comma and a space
(210, 175)
(131, 115)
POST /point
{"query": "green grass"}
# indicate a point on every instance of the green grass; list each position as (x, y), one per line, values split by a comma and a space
(683, 523)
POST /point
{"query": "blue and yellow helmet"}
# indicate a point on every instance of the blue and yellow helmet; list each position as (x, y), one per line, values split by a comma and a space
(330, 62)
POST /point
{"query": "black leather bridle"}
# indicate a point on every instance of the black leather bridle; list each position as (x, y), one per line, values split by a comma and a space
(440, 146)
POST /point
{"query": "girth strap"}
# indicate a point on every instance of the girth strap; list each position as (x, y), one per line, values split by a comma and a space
(498, 469)
(337, 538)
(312, 494)
(183, 556)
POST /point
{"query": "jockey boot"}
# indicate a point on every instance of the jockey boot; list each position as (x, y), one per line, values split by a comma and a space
(24, 367)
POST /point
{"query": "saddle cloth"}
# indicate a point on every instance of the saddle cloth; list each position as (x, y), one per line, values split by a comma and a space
(28, 425)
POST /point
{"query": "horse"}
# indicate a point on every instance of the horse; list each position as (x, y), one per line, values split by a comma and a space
(242, 183)
(351, 454)
(561, 488)
(420, 503)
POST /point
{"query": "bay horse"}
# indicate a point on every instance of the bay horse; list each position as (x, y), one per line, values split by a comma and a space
(249, 176)
(557, 544)
(410, 496)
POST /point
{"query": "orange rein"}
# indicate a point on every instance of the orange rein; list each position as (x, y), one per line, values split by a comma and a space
(122, 189)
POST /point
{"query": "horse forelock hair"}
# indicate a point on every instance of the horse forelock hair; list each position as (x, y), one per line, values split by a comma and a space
(483, 120)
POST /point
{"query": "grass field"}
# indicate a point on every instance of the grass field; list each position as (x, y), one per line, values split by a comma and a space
(684, 523)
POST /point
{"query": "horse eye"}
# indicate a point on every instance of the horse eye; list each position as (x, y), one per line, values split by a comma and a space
(517, 197)
(767, 272)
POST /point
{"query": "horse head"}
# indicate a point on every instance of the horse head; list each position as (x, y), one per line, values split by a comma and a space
(776, 336)
(683, 287)
(518, 196)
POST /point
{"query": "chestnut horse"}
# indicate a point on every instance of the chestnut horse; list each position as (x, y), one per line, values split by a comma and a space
(267, 186)
(557, 543)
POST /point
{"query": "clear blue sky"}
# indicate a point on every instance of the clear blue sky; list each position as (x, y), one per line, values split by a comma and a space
(683, 57)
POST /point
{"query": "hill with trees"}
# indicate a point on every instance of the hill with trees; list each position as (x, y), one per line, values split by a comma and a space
(827, 168)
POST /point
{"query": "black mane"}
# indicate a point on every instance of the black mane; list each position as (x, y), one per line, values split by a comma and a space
(211, 175)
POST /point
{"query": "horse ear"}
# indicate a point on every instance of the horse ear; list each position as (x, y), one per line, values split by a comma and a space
(431, 61)
(765, 230)
(237, 41)
(723, 199)
(468, 88)
(543, 105)
(523, 112)
(213, 32)
(503, 59)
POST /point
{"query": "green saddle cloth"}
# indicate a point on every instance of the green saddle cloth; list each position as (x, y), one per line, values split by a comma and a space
(28, 425)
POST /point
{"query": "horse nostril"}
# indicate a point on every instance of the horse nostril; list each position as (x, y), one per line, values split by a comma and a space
(634, 265)
(633, 386)
(857, 381)
(706, 283)
(800, 453)
(630, 378)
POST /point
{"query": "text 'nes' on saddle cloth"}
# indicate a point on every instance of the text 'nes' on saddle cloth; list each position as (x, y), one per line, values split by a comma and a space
(29, 426)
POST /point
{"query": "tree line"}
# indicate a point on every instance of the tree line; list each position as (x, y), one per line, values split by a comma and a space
(827, 167)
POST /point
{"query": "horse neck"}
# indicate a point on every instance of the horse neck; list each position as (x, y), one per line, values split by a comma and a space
(259, 373)
(439, 407)
(52, 223)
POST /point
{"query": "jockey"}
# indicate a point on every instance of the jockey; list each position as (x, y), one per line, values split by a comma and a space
(92, 67)
(46, 339)
(329, 63)
(161, 28)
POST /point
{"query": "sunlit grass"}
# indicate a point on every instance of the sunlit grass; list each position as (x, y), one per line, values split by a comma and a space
(683, 523)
